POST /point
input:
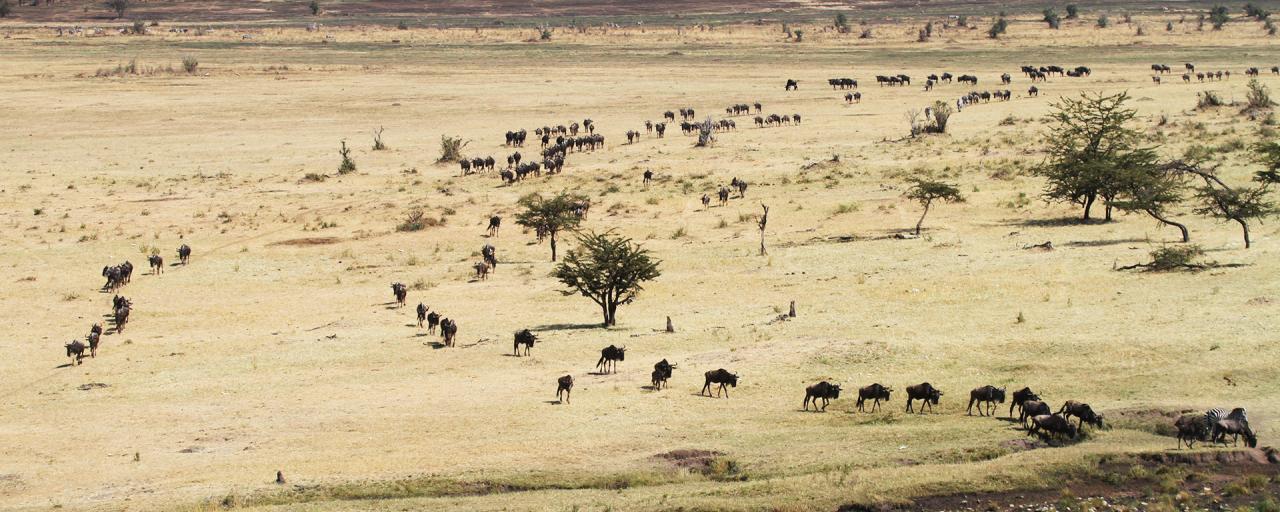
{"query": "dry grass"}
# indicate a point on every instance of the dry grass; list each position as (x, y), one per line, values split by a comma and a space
(275, 350)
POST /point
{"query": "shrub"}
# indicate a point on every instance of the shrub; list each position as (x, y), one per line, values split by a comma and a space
(962, 21)
(544, 34)
(119, 6)
(451, 148)
(1218, 16)
(140, 28)
(997, 28)
(348, 165)
(414, 220)
(190, 64)
(1168, 27)
(799, 35)
(1208, 99)
(1175, 257)
(5, 8)
(842, 23)
(402, 25)
(377, 140)
(1259, 97)
(1073, 12)
(1051, 17)
(315, 8)
(314, 177)
(866, 34)
(1104, 21)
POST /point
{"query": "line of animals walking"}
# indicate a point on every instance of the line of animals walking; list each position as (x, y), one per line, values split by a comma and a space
(117, 277)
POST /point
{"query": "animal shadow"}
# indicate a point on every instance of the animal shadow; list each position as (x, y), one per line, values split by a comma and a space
(553, 402)
(563, 327)
(436, 345)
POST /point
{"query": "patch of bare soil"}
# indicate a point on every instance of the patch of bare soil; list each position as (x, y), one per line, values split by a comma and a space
(318, 240)
(693, 460)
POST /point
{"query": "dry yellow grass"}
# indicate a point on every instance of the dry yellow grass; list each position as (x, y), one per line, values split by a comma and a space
(268, 353)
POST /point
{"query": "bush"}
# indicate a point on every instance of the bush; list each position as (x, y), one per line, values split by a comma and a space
(348, 165)
(1175, 258)
(190, 64)
(402, 25)
(1073, 12)
(1208, 99)
(799, 35)
(5, 8)
(1259, 97)
(414, 220)
(1104, 21)
(1218, 16)
(139, 28)
(119, 6)
(866, 34)
(962, 21)
(545, 34)
(1051, 17)
(315, 8)
(997, 28)
(451, 148)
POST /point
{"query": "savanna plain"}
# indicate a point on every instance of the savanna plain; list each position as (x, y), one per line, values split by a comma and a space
(279, 347)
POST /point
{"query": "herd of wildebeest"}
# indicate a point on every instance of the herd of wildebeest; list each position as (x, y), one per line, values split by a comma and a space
(561, 140)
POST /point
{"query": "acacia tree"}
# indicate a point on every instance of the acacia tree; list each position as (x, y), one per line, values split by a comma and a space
(549, 216)
(926, 192)
(5, 8)
(608, 269)
(1089, 150)
(1153, 189)
(1240, 204)
(119, 6)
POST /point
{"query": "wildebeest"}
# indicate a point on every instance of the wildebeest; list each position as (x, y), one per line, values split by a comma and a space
(706, 201)
(433, 319)
(609, 357)
(723, 194)
(526, 338)
(1031, 409)
(661, 128)
(495, 222)
(1191, 428)
(661, 372)
(1235, 428)
(1033, 91)
(792, 85)
(448, 330)
(482, 270)
(1156, 79)
(120, 308)
(851, 97)
(564, 385)
(924, 392)
(1020, 396)
(1052, 424)
(648, 176)
(824, 391)
(490, 255)
(75, 351)
(93, 338)
(184, 254)
(157, 263)
(1082, 411)
(400, 291)
(723, 378)
(422, 313)
(969, 79)
(740, 186)
(875, 393)
(1006, 79)
(465, 165)
(985, 395)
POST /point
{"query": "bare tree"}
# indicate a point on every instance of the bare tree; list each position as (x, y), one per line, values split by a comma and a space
(764, 221)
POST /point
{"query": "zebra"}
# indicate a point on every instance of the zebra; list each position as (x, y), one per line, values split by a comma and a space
(1212, 416)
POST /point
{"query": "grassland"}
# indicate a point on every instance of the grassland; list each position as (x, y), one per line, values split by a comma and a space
(276, 349)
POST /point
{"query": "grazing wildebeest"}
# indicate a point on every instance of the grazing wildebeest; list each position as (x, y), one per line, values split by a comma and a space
(490, 255)
(1275, 70)
(1020, 396)
(985, 395)
(661, 372)
(448, 330)
(792, 85)
(1191, 428)
(1033, 408)
(400, 291)
(526, 338)
(482, 270)
(924, 392)
(721, 377)
(1235, 428)
(1156, 79)
(1082, 411)
(75, 351)
(564, 385)
(706, 201)
(422, 313)
(669, 115)
(876, 393)
(969, 79)
(433, 319)
(824, 391)
(757, 106)
(157, 264)
(648, 176)
(1052, 424)
(1006, 79)
(495, 222)
(1033, 91)
(1190, 67)
(1186, 78)
(740, 185)
(723, 194)
(609, 357)
(184, 254)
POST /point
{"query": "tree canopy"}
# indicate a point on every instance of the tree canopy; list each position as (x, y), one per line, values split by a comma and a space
(549, 216)
(926, 191)
(607, 268)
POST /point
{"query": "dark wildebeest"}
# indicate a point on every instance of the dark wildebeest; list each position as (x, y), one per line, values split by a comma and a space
(741, 186)
(490, 255)
(723, 193)
(1031, 409)
(1033, 91)
(661, 372)
(876, 393)
(1190, 67)
(526, 338)
(1020, 396)
(75, 351)
(482, 270)
(433, 319)
(706, 201)
(721, 377)
(400, 291)
(1236, 428)
(184, 254)
(157, 263)
(422, 314)
(792, 85)
(925, 392)
(824, 391)
(495, 222)
(1052, 424)
(987, 396)
(465, 165)
(609, 357)
(1191, 428)
(648, 176)
(1006, 79)
(93, 338)
(448, 330)
(564, 385)
(1082, 411)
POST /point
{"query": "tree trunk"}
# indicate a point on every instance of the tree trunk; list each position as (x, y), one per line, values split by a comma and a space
(613, 313)
(1186, 235)
(1244, 227)
(792, 313)
(921, 221)
(553, 246)
(604, 311)
(1108, 213)
(670, 326)
(1088, 204)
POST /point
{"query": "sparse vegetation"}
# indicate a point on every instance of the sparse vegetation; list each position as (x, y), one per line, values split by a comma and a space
(1104, 21)
(118, 7)
(998, 28)
(451, 148)
(609, 269)
(190, 64)
(926, 192)
(348, 165)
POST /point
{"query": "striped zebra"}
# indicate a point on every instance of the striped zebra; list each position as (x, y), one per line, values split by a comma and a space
(1213, 415)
